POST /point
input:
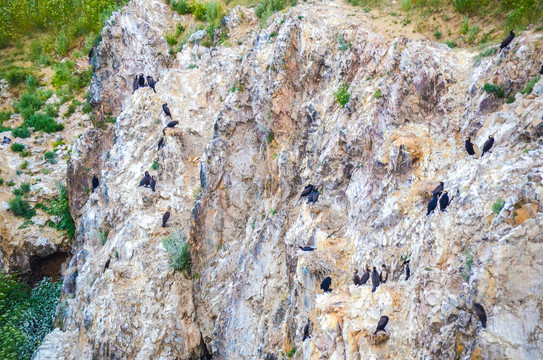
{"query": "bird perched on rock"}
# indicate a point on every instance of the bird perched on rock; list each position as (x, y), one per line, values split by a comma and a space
(91, 54)
(481, 313)
(469, 146)
(306, 248)
(407, 269)
(444, 201)
(106, 265)
(432, 204)
(307, 329)
(152, 183)
(507, 40)
(365, 276)
(166, 110)
(95, 183)
(325, 284)
(141, 81)
(135, 84)
(6, 140)
(541, 71)
(307, 190)
(383, 321)
(439, 189)
(488, 144)
(165, 218)
(356, 278)
(145, 180)
(375, 279)
(313, 196)
(151, 83)
(383, 277)
(161, 142)
(171, 125)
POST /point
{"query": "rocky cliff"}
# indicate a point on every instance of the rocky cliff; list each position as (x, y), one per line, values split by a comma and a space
(259, 120)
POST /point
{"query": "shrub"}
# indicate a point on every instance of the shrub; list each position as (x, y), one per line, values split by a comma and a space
(266, 8)
(342, 94)
(51, 157)
(498, 91)
(498, 206)
(102, 235)
(51, 111)
(1, 181)
(20, 207)
(22, 190)
(530, 86)
(60, 206)
(28, 104)
(291, 352)
(155, 165)
(20, 132)
(342, 45)
(214, 12)
(472, 33)
(488, 52)
(451, 43)
(511, 99)
(378, 94)
(62, 44)
(16, 147)
(16, 76)
(181, 7)
(178, 251)
(24, 165)
(43, 122)
(63, 73)
(437, 34)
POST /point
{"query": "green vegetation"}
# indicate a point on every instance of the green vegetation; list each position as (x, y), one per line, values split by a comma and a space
(102, 235)
(467, 270)
(27, 315)
(20, 207)
(22, 190)
(273, 211)
(155, 165)
(498, 206)
(291, 352)
(497, 90)
(45, 123)
(20, 132)
(378, 94)
(266, 8)
(342, 94)
(437, 34)
(510, 99)
(488, 52)
(1, 181)
(51, 157)
(530, 86)
(60, 206)
(23, 165)
(451, 43)
(342, 45)
(178, 250)
(16, 147)
(196, 192)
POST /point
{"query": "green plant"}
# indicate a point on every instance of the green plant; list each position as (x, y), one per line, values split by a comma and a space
(465, 26)
(498, 91)
(43, 122)
(266, 8)
(273, 211)
(451, 43)
(22, 190)
(20, 132)
(530, 86)
(437, 34)
(60, 206)
(472, 33)
(196, 191)
(196, 276)
(23, 165)
(510, 99)
(102, 236)
(28, 104)
(469, 262)
(341, 41)
(498, 206)
(51, 157)
(378, 94)
(291, 352)
(178, 250)
(20, 207)
(154, 166)
(488, 52)
(192, 66)
(342, 94)
(10, 183)
(1, 181)
(16, 147)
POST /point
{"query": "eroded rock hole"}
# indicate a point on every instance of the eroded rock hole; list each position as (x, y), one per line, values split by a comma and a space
(49, 266)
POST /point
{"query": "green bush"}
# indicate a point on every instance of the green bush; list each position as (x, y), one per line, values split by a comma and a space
(28, 104)
(16, 147)
(266, 8)
(62, 44)
(178, 251)
(23, 165)
(181, 7)
(27, 315)
(437, 34)
(20, 207)
(60, 206)
(494, 89)
(16, 76)
(20, 132)
(51, 157)
(22, 190)
(43, 122)
(342, 94)
(378, 94)
(530, 86)
(498, 206)
(63, 73)
(214, 12)
(50, 110)
(1, 181)
(155, 165)
(102, 235)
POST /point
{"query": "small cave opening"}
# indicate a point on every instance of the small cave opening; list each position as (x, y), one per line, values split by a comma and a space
(48, 266)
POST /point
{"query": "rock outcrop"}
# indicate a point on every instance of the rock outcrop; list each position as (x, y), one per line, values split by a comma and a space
(258, 122)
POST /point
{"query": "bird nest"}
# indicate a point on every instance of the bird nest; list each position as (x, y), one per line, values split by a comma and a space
(379, 338)
(317, 265)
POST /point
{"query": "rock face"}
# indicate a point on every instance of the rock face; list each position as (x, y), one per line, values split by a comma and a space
(258, 122)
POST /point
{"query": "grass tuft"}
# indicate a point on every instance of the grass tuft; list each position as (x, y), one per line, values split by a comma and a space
(178, 250)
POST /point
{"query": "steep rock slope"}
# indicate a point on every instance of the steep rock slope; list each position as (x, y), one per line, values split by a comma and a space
(265, 127)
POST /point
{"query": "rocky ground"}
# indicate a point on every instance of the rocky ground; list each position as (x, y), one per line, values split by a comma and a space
(258, 121)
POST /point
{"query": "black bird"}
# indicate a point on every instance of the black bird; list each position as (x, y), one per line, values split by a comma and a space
(365, 277)
(469, 146)
(307, 330)
(166, 110)
(151, 83)
(165, 218)
(172, 124)
(507, 40)
(135, 84)
(141, 81)
(407, 270)
(307, 190)
(381, 324)
(325, 284)
(161, 142)
(481, 313)
(432, 204)
(145, 180)
(439, 189)
(95, 183)
(91, 54)
(541, 71)
(488, 144)
(152, 183)
(375, 279)
(6, 140)
(356, 278)
(383, 277)
(444, 201)
(106, 266)
(306, 248)
(313, 196)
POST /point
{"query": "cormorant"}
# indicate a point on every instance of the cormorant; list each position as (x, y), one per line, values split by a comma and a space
(432, 205)
(365, 277)
(6, 140)
(313, 196)
(307, 330)
(374, 279)
(166, 110)
(307, 190)
(306, 248)
(135, 84)
(141, 81)
(439, 189)
(152, 183)
(161, 142)
(95, 183)
(541, 71)
(488, 144)
(444, 201)
(481, 313)
(381, 324)
(91, 54)
(325, 284)
(106, 266)
(172, 124)
(356, 278)
(507, 40)
(469, 146)
(145, 180)
(384, 274)
(151, 83)
(165, 218)
(407, 269)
